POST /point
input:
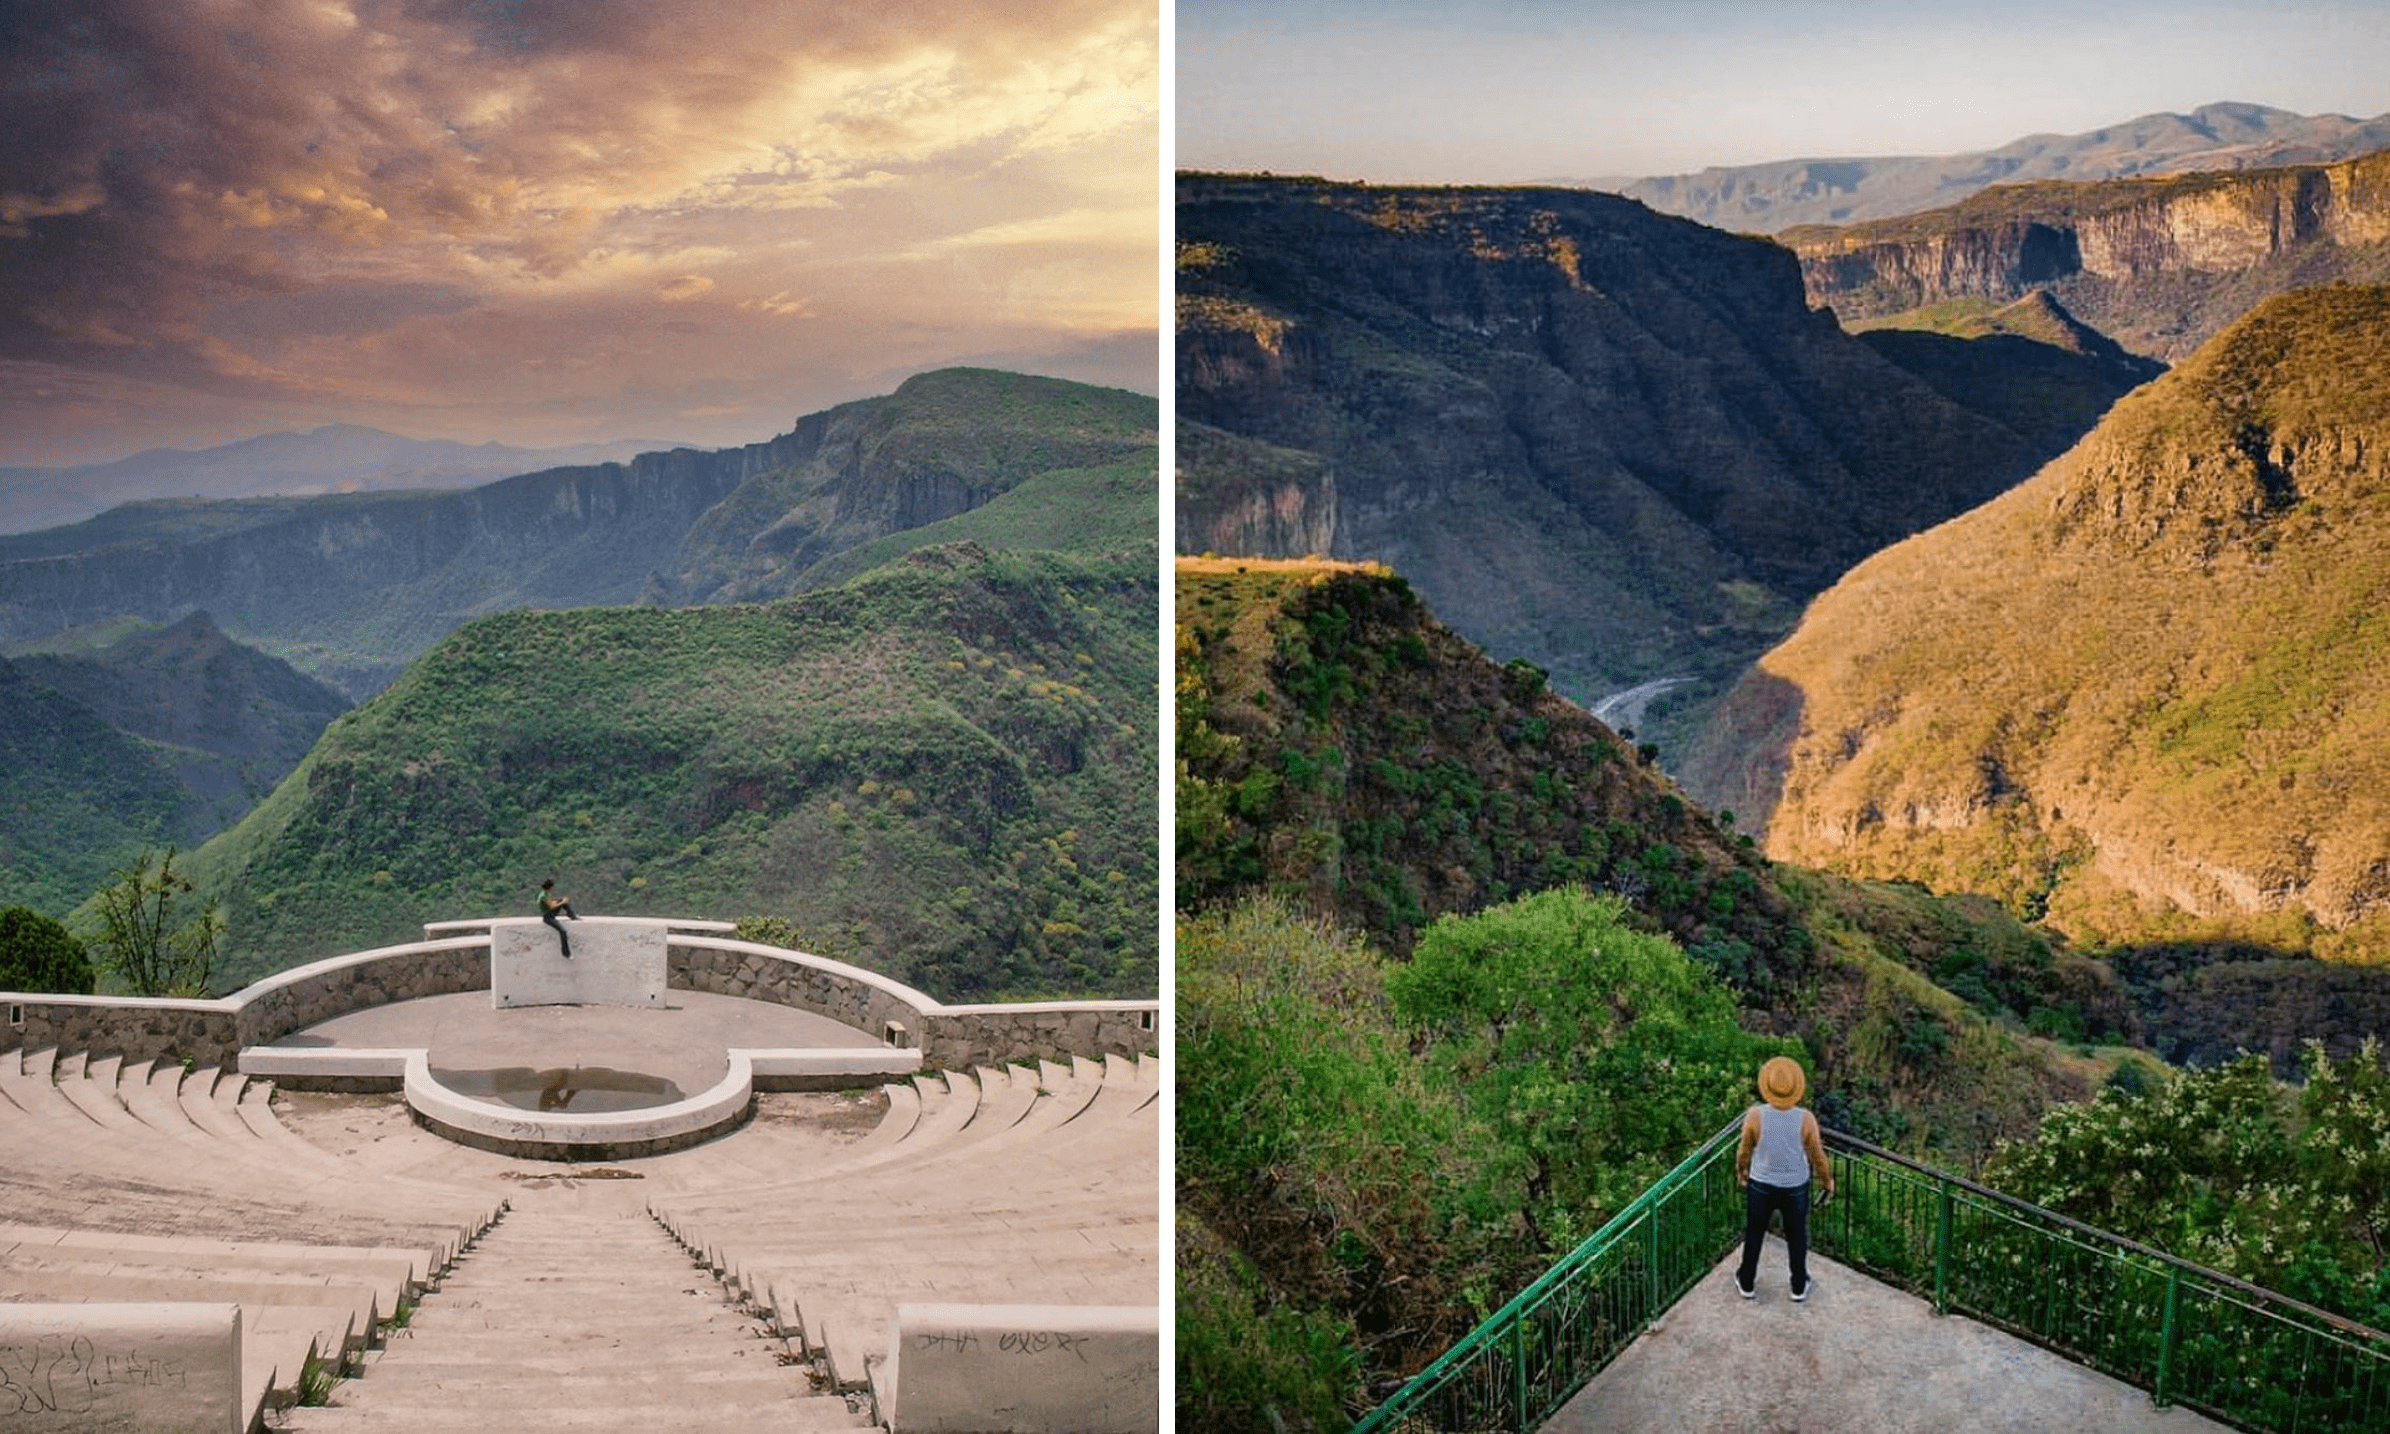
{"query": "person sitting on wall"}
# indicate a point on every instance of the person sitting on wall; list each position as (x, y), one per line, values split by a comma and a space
(550, 905)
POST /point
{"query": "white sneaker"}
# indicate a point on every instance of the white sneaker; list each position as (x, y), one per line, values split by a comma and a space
(1801, 1294)
(1746, 1291)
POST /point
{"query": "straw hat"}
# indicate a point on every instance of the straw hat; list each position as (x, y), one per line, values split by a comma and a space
(1781, 1083)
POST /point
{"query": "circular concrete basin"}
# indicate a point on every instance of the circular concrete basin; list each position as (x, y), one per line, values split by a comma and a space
(512, 1119)
(574, 1088)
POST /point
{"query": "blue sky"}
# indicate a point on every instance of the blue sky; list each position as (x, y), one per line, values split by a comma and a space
(1537, 89)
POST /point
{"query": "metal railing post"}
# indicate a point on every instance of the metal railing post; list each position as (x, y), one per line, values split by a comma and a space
(1518, 1372)
(1651, 1249)
(2161, 1395)
(1942, 1253)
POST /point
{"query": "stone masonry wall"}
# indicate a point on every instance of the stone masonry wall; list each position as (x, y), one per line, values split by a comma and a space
(958, 1037)
(279, 1005)
(138, 1030)
(754, 975)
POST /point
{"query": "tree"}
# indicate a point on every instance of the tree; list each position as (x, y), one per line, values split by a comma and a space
(1604, 1053)
(38, 954)
(150, 937)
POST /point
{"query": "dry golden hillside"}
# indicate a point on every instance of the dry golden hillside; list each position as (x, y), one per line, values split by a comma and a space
(2146, 692)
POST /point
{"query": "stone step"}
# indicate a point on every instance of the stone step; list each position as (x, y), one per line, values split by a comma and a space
(153, 1094)
(397, 1269)
(670, 1410)
(26, 1079)
(575, 1304)
(90, 1087)
(210, 1113)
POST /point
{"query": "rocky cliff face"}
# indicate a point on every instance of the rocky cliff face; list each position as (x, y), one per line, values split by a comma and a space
(2160, 264)
(2140, 692)
(350, 587)
(1618, 445)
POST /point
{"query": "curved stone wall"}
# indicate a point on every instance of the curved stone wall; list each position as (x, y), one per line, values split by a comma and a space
(850, 995)
(304, 995)
(215, 1032)
(136, 1027)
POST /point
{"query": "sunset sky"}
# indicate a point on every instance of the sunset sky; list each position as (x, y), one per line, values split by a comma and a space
(551, 221)
(1509, 90)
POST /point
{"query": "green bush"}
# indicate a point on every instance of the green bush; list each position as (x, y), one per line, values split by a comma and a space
(39, 955)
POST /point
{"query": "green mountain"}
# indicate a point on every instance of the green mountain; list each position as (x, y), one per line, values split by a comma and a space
(350, 587)
(1617, 445)
(197, 728)
(943, 770)
(1001, 459)
(79, 797)
(1341, 750)
(2141, 694)
(229, 721)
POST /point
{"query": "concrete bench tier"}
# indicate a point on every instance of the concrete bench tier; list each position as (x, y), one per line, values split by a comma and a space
(162, 1368)
(1029, 1213)
(1066, 1369)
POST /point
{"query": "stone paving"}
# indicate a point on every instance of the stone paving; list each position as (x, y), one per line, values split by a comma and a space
(1857, 1357)
(687, 1042)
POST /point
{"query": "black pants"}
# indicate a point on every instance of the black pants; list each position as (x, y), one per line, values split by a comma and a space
(1761, 1201)
(550, 918)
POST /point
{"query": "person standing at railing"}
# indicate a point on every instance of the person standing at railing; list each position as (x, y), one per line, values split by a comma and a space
(1782, 1153)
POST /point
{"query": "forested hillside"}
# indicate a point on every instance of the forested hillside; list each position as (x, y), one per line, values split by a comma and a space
(943, 770)
(158, 736)
(1459, 971)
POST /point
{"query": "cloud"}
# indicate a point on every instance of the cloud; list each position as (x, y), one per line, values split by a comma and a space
(782, 305)
(213, 195)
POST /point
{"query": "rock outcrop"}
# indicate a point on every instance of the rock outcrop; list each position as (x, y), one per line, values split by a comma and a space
(2158, 264)
(1618, 445)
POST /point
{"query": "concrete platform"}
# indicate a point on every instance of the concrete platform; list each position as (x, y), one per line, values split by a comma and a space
(1858, 1357)
(687, 1042)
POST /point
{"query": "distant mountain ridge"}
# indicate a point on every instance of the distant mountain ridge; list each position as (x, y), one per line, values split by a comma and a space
(350, 587)
(334, 458)
(2158, 264)
(1616, 444)
(1767, 198)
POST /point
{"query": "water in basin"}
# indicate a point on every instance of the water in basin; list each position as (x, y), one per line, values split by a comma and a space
(581, 1089)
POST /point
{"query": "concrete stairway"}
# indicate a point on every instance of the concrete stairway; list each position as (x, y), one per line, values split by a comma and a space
(577, 1313)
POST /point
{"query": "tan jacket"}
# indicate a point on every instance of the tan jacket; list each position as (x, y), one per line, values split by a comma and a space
(1812, 1144)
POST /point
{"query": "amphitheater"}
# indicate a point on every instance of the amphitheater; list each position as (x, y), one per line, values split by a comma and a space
(683, 1183)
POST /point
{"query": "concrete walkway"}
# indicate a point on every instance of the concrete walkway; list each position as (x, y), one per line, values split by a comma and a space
(1858, 1357)
(687, 1043)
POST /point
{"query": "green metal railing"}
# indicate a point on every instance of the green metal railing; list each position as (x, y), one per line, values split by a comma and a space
(2186, 1334)
(1513, 1371)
